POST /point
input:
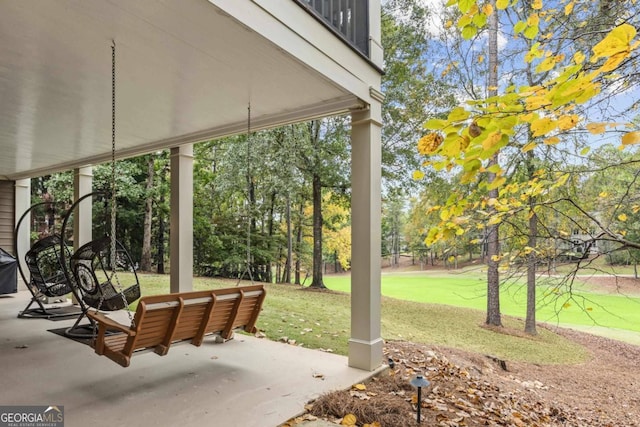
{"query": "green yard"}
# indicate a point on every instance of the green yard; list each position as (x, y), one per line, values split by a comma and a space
(589, 307)
(437, 308)
(321, 320)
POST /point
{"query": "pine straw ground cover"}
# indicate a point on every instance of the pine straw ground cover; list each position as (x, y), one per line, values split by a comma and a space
(469, 389)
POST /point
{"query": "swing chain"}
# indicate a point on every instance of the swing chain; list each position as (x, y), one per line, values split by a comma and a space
(114, 250)
(248, 211)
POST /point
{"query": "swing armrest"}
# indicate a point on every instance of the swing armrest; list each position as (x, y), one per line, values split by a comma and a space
(105, 322)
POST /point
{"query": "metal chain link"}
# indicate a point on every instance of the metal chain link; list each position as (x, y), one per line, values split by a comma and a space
(114, 250)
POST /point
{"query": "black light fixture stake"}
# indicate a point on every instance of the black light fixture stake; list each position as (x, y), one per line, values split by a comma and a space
(419, 381)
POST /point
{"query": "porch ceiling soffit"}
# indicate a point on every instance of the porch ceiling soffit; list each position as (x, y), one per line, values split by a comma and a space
(185, 73)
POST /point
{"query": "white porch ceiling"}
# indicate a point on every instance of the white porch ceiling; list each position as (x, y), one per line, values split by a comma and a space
(185, 70)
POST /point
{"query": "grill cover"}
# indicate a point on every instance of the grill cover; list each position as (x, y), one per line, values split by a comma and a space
(8, 273)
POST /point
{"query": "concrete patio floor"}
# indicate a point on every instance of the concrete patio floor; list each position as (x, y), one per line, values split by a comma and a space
(244, 382)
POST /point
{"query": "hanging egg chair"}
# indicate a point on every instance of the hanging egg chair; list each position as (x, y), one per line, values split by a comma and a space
(101, 287)
(99, 282)
(45, 262)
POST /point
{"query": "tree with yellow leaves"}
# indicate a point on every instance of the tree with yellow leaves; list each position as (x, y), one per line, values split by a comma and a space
(565, 80)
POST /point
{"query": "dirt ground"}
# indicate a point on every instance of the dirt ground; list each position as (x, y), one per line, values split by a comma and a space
(470, 389)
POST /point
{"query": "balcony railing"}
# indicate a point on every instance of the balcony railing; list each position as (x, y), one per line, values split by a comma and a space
(348, 18)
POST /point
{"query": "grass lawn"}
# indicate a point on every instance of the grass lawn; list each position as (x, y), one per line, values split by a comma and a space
(321, 319)
(588, 307)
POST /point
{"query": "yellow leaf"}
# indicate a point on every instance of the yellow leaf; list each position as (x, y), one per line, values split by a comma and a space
(349, 420)
(542, 126)
(480, 59)
(492, 139)
(578, 58)
(469, 31)
(603, 194)
(495, 220)
(418, 175)
(562, 180)
(568, 8)
(502, 4)
(360, 387)
(537, 4)
(458, 114)
(622, 217)
(531, 32)
(448, 24)
(631, 138)
(596, 128)
(553, 140)
(530, 146)
(495, 258)
(429, 143)
(568, 122)
(534, 103)
(616, 46)
(487, 9)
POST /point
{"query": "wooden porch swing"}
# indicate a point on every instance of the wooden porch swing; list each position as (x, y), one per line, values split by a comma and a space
(162, 320)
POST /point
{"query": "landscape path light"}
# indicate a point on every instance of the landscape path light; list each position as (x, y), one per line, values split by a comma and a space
(419, 381)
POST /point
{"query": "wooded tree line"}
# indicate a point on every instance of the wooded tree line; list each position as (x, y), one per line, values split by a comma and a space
(502, 122)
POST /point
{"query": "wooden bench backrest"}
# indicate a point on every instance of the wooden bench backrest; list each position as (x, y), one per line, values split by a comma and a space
(163, 319)
(235, 308)
(153, 321)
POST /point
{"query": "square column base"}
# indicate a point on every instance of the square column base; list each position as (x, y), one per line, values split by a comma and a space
(365, 355)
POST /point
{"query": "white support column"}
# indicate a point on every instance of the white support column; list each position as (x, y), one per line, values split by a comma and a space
(365, 345)
(83, 217)
(181, 231)
(23, 240)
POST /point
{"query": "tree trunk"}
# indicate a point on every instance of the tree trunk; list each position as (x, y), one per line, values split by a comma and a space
(493, 238)
(530, 319)
(145, 258)
(162, 176)
(299, 245)
(269, 275)
(316, 281)
(287, 267)
(160, 249)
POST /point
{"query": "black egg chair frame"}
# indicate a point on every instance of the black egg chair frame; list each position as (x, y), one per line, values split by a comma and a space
(96, 284)
(45, 262)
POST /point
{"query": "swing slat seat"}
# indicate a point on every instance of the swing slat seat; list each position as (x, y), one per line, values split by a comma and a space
(162, 320)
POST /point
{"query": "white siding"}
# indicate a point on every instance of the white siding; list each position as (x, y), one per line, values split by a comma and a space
(7, 215)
